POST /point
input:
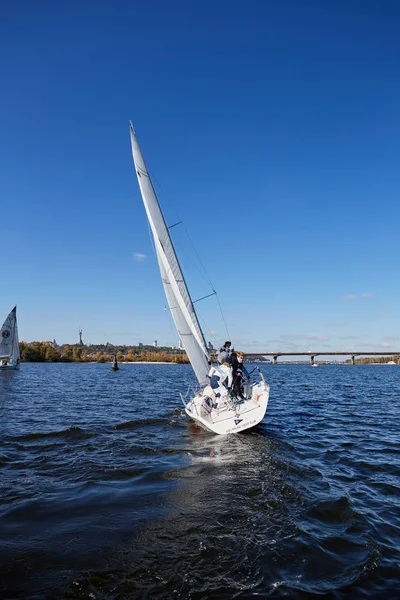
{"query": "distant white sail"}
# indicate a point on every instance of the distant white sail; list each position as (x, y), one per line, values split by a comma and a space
(9, 343)
(175, 287)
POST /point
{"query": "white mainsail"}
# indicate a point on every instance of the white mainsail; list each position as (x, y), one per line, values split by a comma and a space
(9, 343)
(177, 293)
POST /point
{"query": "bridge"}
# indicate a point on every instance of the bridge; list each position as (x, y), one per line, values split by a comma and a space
(312, 355)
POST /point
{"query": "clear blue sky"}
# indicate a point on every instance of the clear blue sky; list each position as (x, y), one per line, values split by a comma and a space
(272, 130)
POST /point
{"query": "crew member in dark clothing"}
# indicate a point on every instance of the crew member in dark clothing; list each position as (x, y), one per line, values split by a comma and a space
(225, 353)
(239, 372)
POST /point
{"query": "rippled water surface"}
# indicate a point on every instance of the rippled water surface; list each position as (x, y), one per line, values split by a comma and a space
(108, 491)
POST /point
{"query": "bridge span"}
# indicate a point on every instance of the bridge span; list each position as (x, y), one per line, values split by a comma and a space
(312, 355)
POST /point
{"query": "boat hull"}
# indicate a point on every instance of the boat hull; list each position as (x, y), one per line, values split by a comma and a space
(235, 417)
(9, 367)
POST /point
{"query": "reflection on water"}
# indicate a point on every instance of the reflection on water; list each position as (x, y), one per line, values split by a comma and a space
(108, 491)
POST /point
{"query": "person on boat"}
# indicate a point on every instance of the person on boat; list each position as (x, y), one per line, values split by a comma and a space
(224, 353)
(220, 380)
(226, 368)
(239, 373)
(219, 374)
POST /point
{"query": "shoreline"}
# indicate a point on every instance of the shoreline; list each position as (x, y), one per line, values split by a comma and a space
(147, 362)
(96, 362)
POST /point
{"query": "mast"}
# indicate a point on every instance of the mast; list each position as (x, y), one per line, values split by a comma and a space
(175, 287)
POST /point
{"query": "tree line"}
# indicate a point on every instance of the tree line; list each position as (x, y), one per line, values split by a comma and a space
(46, 352)
(366, 360)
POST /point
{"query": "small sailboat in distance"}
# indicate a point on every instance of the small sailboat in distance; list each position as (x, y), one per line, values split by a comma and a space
(219, 413)
(114, 364)
(9, 343)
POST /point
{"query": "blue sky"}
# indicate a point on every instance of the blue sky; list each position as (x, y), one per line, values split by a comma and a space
(270, 128)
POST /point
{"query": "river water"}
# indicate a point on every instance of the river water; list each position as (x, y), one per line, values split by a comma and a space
(108, 492)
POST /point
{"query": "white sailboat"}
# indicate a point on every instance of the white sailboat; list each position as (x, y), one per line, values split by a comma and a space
(9, 343)
(219, 414)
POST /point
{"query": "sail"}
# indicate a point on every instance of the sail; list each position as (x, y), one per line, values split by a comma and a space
(175, 287)
(9, 344)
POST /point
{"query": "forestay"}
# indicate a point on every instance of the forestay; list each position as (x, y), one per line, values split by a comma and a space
(175, 287)
(9, 344)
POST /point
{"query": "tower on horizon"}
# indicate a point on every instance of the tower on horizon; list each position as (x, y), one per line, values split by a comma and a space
(80, 337)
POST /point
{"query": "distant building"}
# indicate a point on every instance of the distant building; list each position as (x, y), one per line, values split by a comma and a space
(155, 343)
(53, 343)
(180, 345)
(140, 345)
(80, 337)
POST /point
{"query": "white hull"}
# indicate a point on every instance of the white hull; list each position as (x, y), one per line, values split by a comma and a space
(8, 367)
(232, 417)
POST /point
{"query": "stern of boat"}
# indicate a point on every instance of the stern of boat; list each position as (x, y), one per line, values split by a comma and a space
(230, 415)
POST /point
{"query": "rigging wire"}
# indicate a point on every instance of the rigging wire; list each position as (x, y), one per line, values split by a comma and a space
(208, 280)
(223, 318)
(204, 275)
(209, 331)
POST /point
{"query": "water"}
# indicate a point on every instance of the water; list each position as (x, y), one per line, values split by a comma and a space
(108, 492)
